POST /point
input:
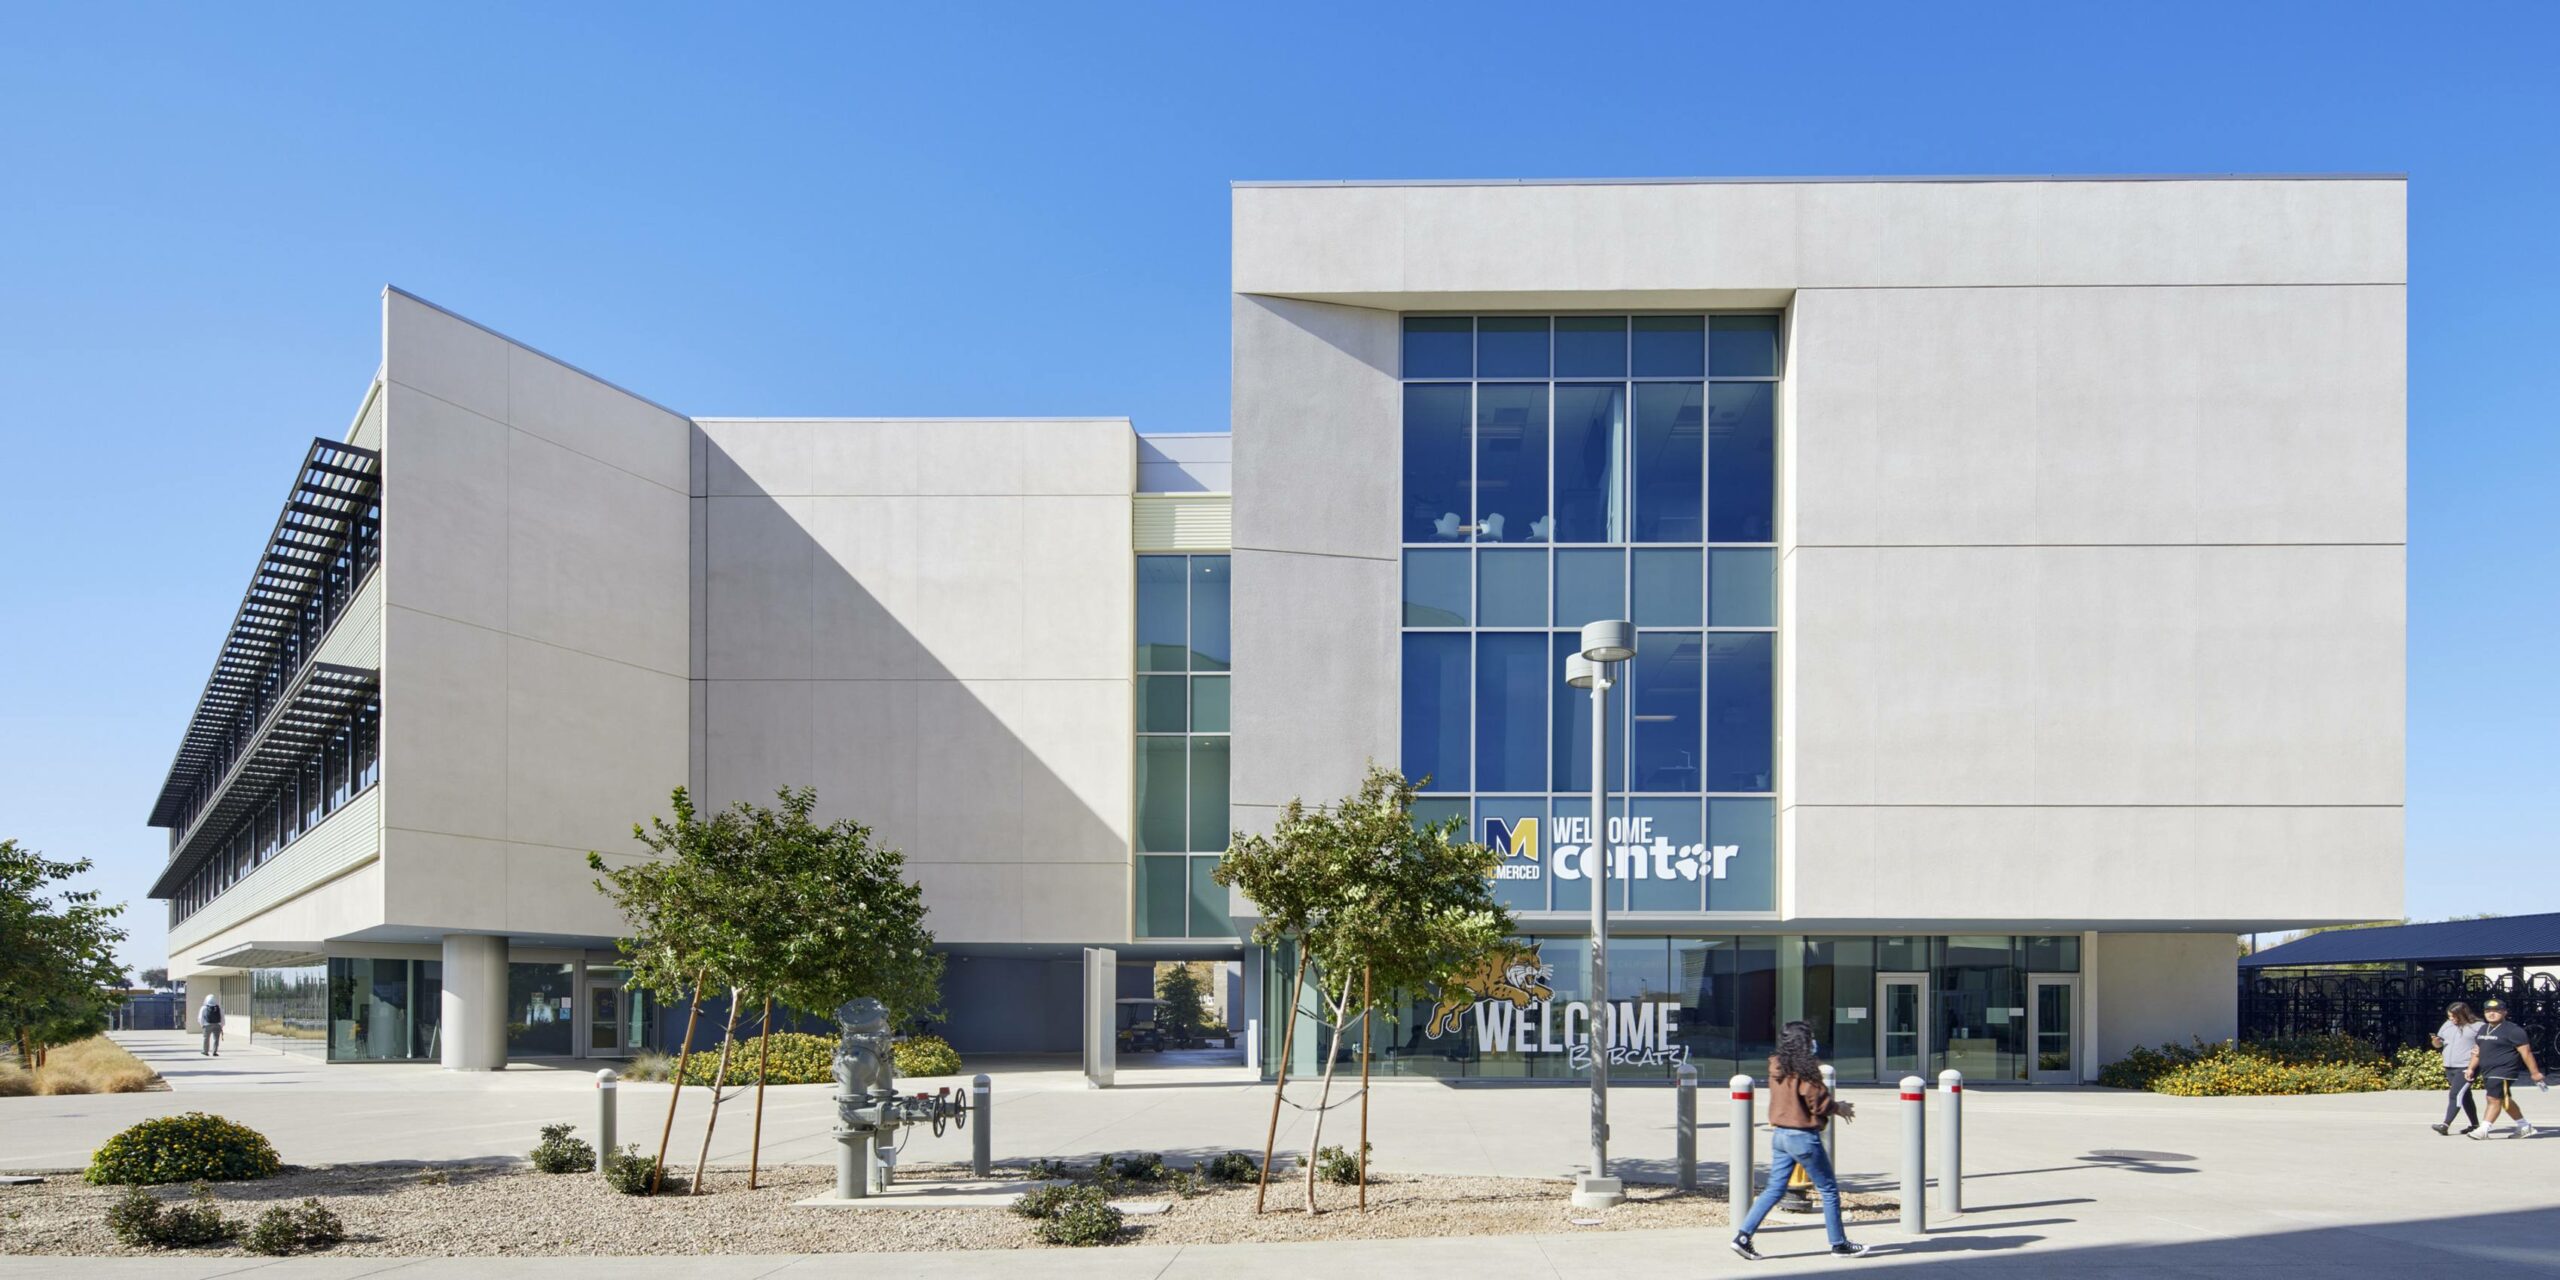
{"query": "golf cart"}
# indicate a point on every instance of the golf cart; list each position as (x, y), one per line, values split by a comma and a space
(1141, 1026)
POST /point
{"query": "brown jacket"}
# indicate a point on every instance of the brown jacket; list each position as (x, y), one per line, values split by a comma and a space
(1795, 1103)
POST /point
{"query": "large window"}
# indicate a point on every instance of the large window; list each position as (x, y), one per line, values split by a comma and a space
(1182, 675)
(1563, 469)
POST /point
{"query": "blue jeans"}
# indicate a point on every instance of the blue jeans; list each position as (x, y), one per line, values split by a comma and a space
(1787, 1149)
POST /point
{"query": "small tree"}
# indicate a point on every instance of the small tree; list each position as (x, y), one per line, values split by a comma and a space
(836, 917)
(1372, 902)
(57, 953)
(156, 979)
(1185, 1008)
(683, 932)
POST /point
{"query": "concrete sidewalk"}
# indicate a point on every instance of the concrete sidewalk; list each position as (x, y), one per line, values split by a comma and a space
(2059, 1180)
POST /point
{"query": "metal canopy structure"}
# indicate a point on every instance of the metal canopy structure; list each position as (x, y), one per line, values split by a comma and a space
(334, 503)
(2496, 942)
(323, 700)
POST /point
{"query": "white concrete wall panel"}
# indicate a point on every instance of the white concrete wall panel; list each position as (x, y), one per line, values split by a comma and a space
(1319, 665)
(932, 622)
(536, 643)
(2165, 988)
(1676, 242)
(2101, 416)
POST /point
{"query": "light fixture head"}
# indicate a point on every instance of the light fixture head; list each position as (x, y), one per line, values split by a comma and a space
(1579, 671)
(1609, 640)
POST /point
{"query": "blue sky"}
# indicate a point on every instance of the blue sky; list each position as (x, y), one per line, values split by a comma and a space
(971, 210)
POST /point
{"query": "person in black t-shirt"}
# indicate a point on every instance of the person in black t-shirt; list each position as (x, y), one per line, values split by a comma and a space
(2500, 1057)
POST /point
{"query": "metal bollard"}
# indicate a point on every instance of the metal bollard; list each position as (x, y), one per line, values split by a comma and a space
(982, 1144)
(1737, 1160)
(1830, 1124)
(1915, 1161)
(1684, 1127)
(1951, 1142)
(608, 1085)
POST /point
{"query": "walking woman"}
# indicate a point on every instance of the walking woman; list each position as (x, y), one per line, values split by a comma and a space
(1799, 1106)
(2456, 1037)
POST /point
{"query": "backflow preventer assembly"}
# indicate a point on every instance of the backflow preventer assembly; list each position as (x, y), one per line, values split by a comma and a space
(870, 1110)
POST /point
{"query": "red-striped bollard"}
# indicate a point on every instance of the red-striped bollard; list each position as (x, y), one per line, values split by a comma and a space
(1737, 1158)
(1951, 1142)
(1915, 1157)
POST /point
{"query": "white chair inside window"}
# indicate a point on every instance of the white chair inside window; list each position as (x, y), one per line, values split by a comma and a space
(1446, 526)
(1540, 528)
(1491, 529)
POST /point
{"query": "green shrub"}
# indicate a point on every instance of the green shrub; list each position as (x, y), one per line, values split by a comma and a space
(140, 1218)
(1185, 1183)
(281, 1231)
(1234, 1166)
(1079, 1220)
(925, 1056)
(1045, 1168)
(191, 1147)
(1340, 1167)
(1045, 1202)
(2315, 1064)
(2416, 1067)
(1142, 1166)
(134, 1218)
(560, 1153)
(627, 1171)
(794, 1057)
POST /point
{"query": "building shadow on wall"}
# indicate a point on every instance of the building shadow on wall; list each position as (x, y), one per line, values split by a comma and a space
(807, 674)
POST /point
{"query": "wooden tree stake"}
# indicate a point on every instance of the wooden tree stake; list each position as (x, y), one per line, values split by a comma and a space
(1288, 1029)
(764, 1054)
(658, 1171)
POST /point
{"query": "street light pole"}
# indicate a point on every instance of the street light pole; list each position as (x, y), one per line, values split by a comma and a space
(1604, 645)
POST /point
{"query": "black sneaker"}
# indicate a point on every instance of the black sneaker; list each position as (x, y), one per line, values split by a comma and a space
(2440, 1128)
(1849, 1250)
(1742, 1245)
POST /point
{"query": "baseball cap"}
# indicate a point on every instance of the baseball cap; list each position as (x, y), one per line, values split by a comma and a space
(2499, 1005)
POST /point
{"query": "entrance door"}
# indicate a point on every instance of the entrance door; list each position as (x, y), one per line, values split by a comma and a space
(1902, 1026)
(2053, 1051)
(605, 1026)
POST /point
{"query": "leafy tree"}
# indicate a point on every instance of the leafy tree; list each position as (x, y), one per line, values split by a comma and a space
(682, 928)
(833, 916)
(1373, 902)
(770, 904)
(57, 953)
(1185, 1008)
(156, 979)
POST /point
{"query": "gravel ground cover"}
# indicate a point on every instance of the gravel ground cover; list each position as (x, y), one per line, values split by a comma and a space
(503, 1208)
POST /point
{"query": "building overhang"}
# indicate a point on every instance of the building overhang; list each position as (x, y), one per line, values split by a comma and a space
(262, 955)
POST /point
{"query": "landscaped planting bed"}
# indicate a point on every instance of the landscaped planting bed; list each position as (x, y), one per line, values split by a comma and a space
(414, 1210)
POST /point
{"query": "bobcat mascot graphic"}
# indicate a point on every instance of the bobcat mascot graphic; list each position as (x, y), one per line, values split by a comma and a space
(1516, 976)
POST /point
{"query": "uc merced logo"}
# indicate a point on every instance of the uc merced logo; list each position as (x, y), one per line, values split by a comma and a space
(1635, 852)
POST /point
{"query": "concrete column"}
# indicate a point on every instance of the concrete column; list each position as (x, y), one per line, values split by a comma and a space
(2088, 1011)
(475, 1003)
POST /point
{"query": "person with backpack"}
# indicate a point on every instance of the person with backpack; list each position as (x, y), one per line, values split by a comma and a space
(2502, 1056)
(210, 1018)
(2460, 1032)
(1799, 1106)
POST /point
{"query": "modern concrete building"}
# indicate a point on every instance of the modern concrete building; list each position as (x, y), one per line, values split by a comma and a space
(2018, 566)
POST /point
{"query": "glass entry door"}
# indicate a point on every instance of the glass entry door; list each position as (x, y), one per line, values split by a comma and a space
(2052, 1007)
(1902, 1026)
(605, 1037)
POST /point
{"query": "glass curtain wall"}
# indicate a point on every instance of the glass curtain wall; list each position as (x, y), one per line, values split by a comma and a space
(1182, 730)
(289, 1009)
(1559, 470)
(1715, 1002)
